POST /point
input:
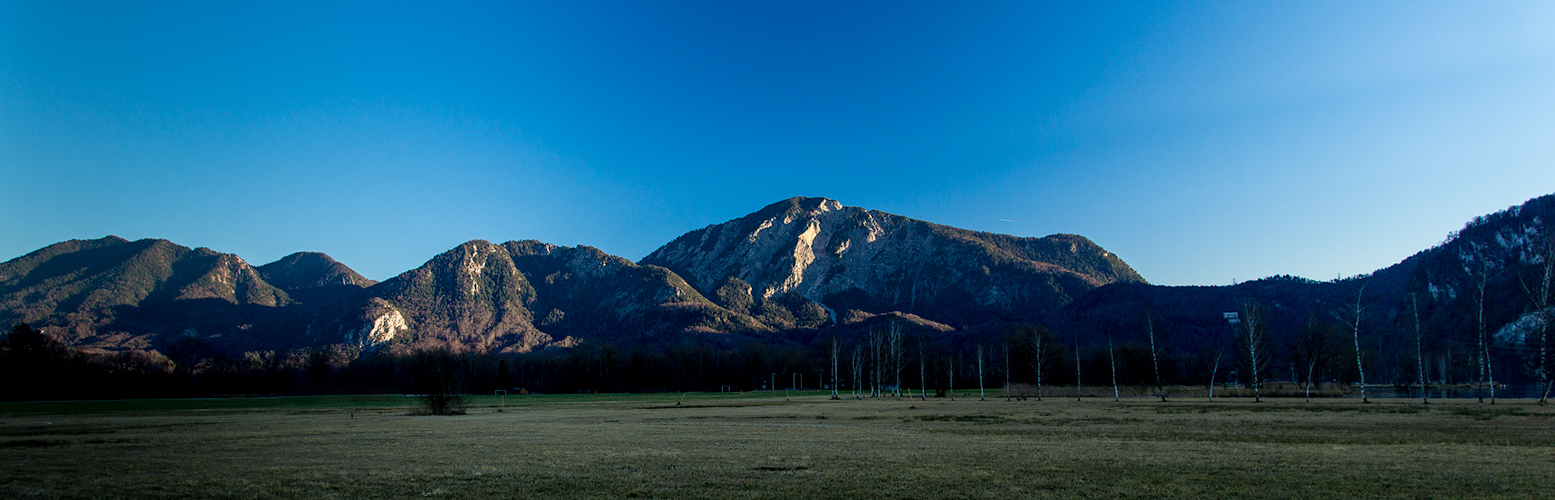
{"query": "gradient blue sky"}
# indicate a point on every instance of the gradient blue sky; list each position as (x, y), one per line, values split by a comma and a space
(1201, 142)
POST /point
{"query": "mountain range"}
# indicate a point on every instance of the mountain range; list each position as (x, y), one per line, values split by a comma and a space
(783, 274)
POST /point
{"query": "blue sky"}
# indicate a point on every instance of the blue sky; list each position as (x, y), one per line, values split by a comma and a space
(1201, 142)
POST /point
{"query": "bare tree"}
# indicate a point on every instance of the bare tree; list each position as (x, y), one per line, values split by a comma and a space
(1352, 317)
(1425, 391)
(836, 351)
(1077, 368)
(1215, 371)
(435, 377)
(1478, 267)
(1155, 363)
(897, 348)
(858, 370)
(1112, 357)
(923, 372)
(1539, 300)
(980, 395)
(1546, 315)
(1254, 346)
(877, 352)
(1041, 354)
(952, 361)
(1311, 347)
(1006, 371)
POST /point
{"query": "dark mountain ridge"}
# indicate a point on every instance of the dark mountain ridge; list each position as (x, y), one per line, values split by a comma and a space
(1505, 248)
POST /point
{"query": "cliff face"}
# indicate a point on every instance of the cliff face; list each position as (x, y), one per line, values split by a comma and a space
(847, 258)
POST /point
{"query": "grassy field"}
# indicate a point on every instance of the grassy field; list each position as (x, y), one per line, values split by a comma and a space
(760, 446)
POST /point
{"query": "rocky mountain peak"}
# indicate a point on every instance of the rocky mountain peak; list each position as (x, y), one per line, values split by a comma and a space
(841, 257)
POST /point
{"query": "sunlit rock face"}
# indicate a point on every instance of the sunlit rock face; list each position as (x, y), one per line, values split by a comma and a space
(523, 296)
(848, 258)
(387, 324)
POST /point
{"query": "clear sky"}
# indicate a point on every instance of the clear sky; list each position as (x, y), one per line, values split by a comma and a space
(1200, 141)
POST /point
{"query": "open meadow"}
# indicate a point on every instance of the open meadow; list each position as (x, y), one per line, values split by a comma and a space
(761, 445)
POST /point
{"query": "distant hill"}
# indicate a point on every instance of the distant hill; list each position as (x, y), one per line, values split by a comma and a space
(791, 262)
(112, 293)
(1506, 247)
(313, 277)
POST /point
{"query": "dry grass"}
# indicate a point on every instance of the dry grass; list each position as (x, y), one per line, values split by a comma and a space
(747, 446)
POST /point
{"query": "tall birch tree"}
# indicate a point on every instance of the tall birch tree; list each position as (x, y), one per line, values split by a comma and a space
(1414, 307)
(1254, 346)
(1352, 317)
(897, 348)
(1006, 371)
(980, 395)
(858, 370)
(1537, 288)
(1479, 268)
(1155, 356)
(1113, 358)
(836, 352)
(1077, 368)
(923, 372)
(1041, 354)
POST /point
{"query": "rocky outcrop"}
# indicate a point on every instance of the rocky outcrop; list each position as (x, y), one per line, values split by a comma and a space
(521, 296)
(469, 297)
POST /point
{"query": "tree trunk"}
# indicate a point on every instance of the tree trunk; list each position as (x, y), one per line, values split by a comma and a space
(1041, 362)
(1114, 359)
(1155, 365)
(1077, 369)
(1252, 322)
(1484, 353)
(980, 395)
(835, 348)
(1214, 371)
(1425, 393)
(923, 374)
(1311, 365)
(1355, 329)
(896, 357)
(1006, 372)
